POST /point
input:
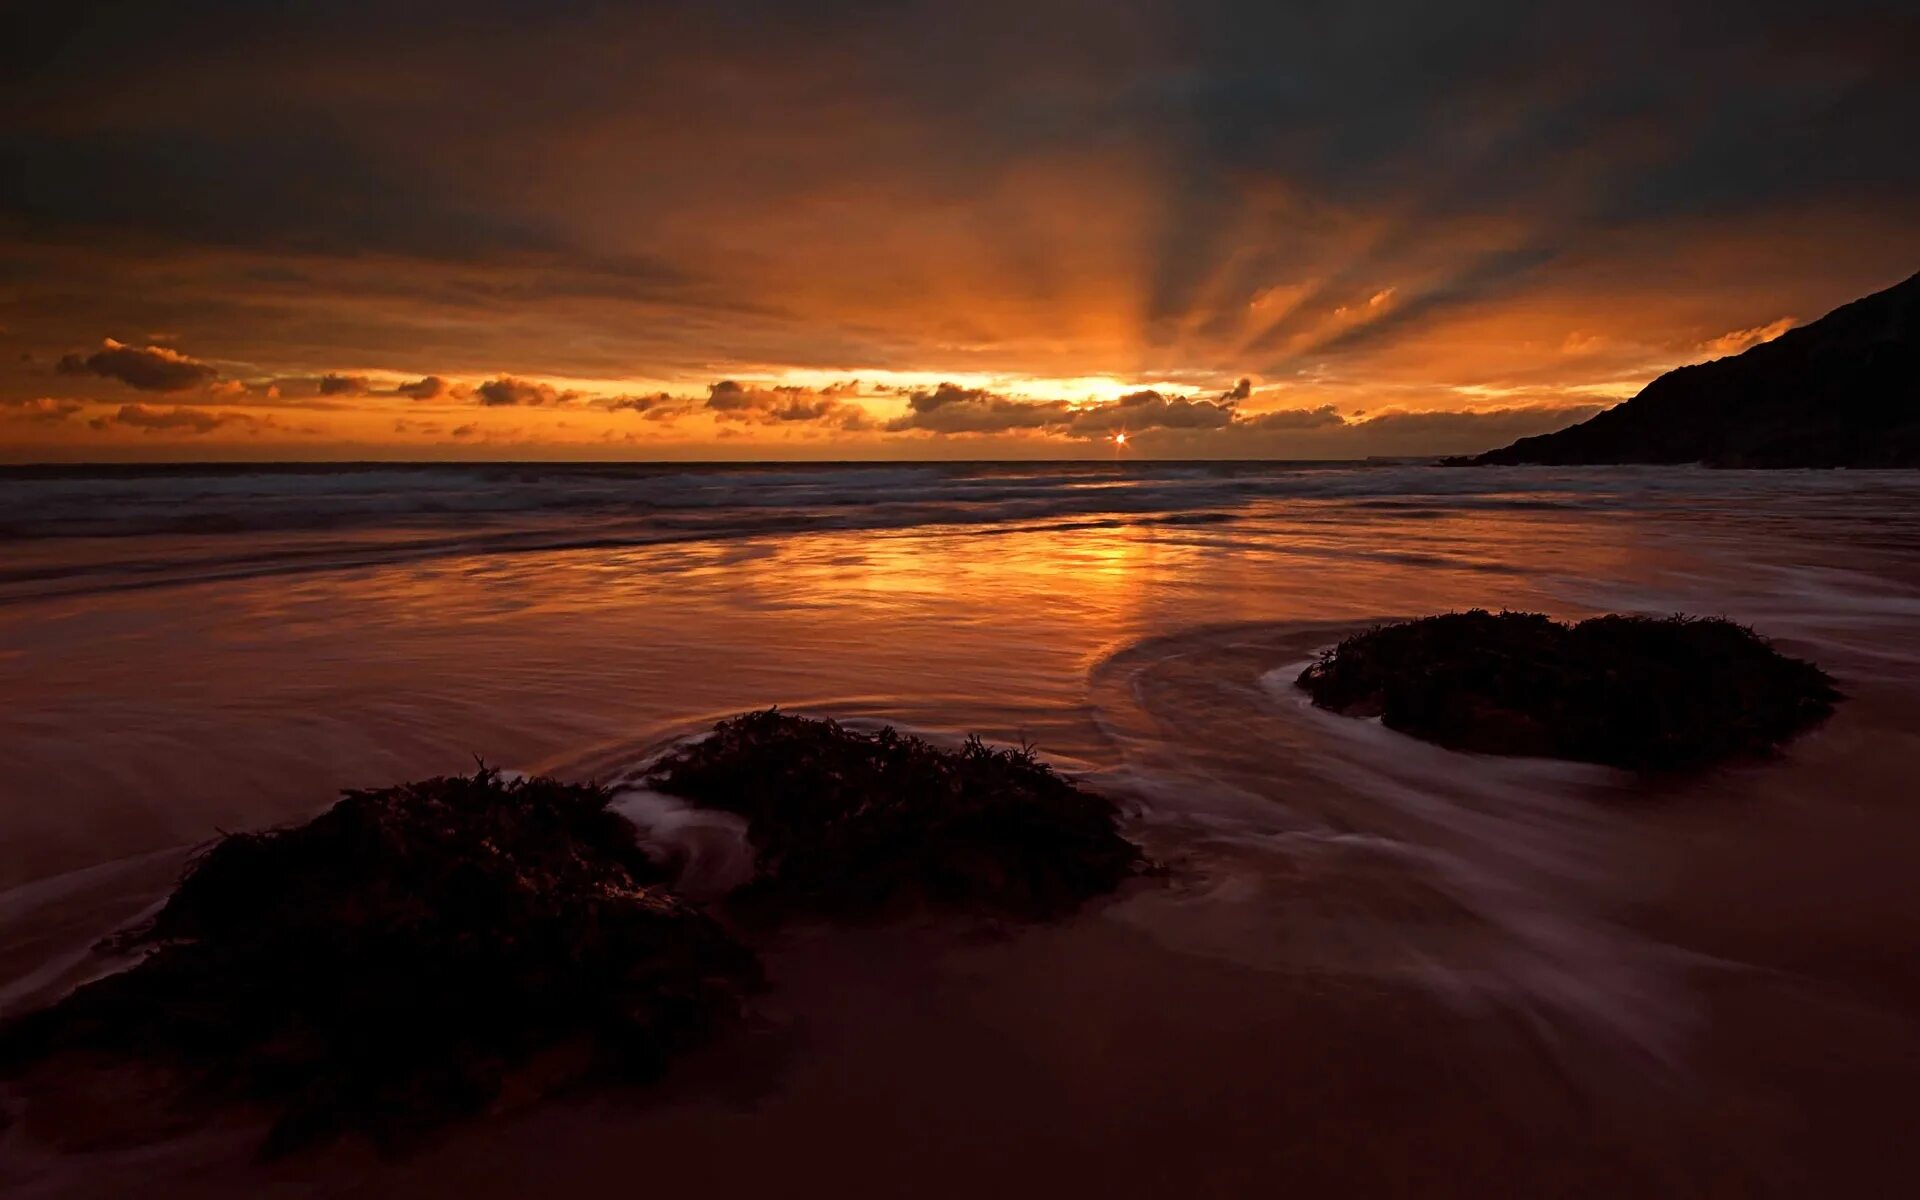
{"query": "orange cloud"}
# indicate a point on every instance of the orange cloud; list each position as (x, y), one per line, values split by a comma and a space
(181, 419)
(1745, 339)
(41, 409)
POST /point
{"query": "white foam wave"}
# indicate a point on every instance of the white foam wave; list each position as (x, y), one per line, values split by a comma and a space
(706, 849)
(1315, 843)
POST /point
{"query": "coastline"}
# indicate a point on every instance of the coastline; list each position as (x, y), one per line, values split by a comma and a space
(1376, 966)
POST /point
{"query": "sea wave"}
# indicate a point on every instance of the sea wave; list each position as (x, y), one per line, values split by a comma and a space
(82, 529)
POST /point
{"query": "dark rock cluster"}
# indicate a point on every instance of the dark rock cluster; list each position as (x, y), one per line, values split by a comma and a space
(388, 964)
(408, 954)
(851, 823)
(1642, 693)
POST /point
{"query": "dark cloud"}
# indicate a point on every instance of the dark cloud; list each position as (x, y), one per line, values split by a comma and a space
(242, 178)
(506, 390)
(1551, 136)
(1150, 410)
(660, 406)
(951, 409)
(642, 404)
(431, 388)
(729, 396)
(1147, 186)
(343, 385)
(730, 400)
(1324, 417)
(249, 133)
(182, 419)
(1216, 428)
(149, 368)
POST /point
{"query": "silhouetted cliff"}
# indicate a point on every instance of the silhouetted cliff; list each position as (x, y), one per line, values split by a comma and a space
(1841, 392)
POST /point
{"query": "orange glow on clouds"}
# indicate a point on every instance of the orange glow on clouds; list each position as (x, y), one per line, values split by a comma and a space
(710, 238)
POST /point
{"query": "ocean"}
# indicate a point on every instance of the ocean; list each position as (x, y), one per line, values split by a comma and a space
(1372, 962)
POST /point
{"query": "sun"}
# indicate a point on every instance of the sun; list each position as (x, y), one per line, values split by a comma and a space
(1119, 439)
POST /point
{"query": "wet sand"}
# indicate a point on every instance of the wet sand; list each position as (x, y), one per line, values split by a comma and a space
(1374, 968)
(1086, 1057)
(953, 1058)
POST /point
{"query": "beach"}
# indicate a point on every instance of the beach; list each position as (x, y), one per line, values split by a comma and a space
(1371, 967)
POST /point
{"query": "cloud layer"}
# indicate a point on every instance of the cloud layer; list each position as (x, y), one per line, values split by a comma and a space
(698, 215)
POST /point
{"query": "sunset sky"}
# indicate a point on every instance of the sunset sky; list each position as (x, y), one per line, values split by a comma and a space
(862, 230)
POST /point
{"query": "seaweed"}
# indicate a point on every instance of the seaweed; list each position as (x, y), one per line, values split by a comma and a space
(411, 953)
(389, 964)
(847, 823)
(1643, 693)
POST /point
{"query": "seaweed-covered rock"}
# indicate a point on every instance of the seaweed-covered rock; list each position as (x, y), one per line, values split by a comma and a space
(851, 823)
(1637, 692)
(392, 962)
